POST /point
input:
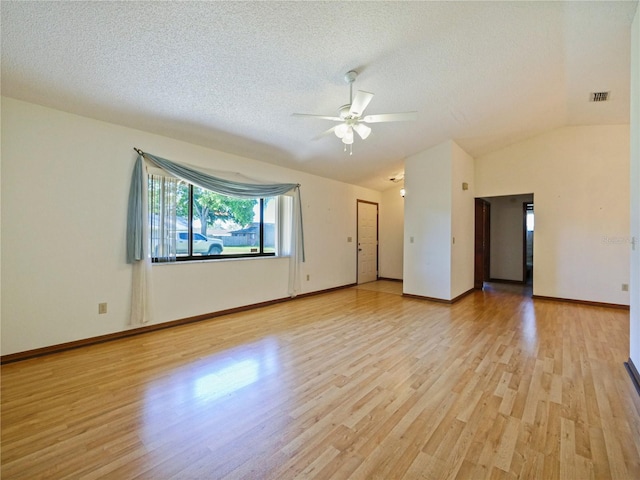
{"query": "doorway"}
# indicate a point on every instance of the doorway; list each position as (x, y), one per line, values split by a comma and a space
(504, 240)
(527, 254)
(367, 242)
(482, 243)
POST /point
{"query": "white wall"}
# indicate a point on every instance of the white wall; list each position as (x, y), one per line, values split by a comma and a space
(462, 221)
(635, 190)
(391, 233)
(507, 237)
(427, 223)
(580, 179)
(65, 183)
(436, 211)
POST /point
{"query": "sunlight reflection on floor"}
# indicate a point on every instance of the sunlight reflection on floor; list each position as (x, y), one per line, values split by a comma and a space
(195, 388)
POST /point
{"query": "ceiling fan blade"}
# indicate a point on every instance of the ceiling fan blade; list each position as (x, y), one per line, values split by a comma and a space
(360, 103)
(324, 117)
(325, 133)
(390, 117)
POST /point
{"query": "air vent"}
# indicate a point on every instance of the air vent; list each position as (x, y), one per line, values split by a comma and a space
(599, 96)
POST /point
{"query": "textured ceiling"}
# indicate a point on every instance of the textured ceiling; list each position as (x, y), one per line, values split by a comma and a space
(228, 75)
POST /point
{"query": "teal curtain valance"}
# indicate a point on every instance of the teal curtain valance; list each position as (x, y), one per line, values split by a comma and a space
(219, 185)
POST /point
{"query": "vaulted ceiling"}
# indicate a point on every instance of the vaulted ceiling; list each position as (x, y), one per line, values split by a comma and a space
(229, 75)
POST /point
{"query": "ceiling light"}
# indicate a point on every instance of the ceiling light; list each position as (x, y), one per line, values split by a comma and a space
(341, 130)
(362, 130)
(348, 136)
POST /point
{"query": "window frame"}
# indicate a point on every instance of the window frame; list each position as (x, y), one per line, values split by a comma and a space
(190, 257)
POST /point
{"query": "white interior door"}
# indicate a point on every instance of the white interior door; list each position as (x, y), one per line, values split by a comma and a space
(367, 242)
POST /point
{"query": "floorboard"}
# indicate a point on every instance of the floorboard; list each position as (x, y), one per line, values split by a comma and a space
(359, 383)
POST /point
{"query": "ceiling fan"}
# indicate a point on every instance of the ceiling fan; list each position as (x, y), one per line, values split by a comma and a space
(351, 116)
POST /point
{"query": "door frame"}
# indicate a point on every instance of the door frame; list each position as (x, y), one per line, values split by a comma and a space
(358, 202)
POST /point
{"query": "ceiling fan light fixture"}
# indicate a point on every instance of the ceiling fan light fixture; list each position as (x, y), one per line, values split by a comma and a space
(348, 136)
(363, 130)
(341, 130)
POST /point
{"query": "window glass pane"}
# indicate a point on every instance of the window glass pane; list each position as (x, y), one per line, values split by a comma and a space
(162, 231)
(225, 223)
(530, 221)
(182, 222)
(153, 190)
(219, 225)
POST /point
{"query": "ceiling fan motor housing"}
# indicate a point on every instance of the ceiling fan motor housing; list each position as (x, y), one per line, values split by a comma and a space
(343, 111)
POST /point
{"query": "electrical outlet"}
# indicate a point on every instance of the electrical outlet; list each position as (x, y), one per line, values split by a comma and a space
(625, 287)
(102, 308)
(349, 239)
(308, 276)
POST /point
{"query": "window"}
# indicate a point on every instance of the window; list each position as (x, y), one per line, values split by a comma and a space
(530, 217)
(188, 222)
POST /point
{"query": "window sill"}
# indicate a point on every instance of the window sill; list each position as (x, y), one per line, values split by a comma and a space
(218, 260)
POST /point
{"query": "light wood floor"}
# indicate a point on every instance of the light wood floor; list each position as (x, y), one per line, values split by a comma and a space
(360, 383)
